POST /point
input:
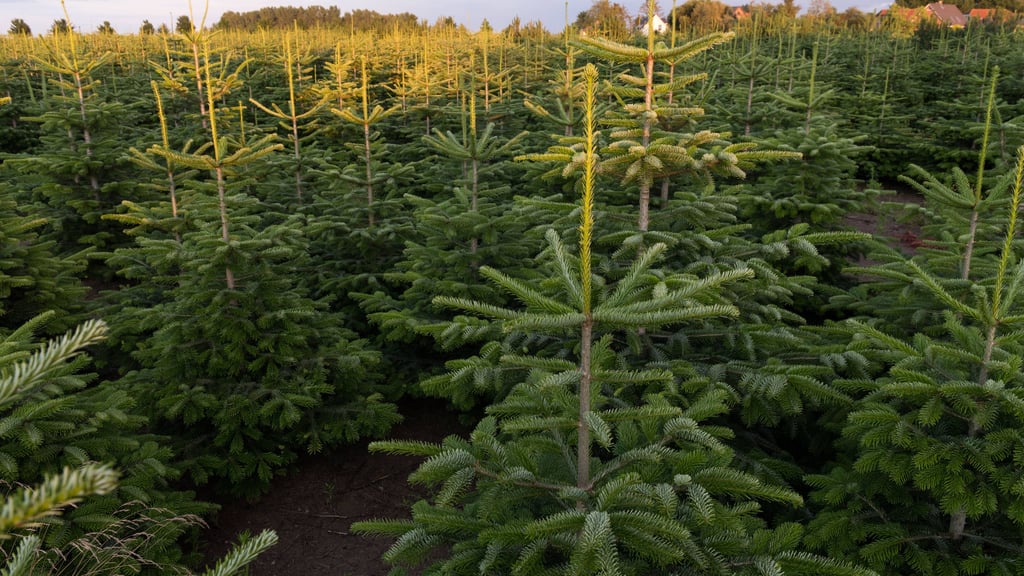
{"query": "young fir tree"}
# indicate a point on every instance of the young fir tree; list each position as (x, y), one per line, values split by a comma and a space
(963, 223)
(822, 187)
(357, 210)
(933, 482)
(563, 477)
(566, 92)
(928, 481)
(34, 276)
(75, 172)
(299, 125)
(464, 226)
(238, 362)
(761, 356)
(370, 178)
(57, 432)
(54, 418)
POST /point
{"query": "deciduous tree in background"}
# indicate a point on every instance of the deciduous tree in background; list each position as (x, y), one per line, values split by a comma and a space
(19, 26)
(704, 15)
(60, 26)
(183, 25)
(606, 19)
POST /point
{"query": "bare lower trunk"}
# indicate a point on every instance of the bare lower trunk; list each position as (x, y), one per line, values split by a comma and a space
(645, 187)
(969, 250)
(583, 431)
(172, 190)
(229, 276)
(369, 175)
(958, 521)
(645, 203)
(474, 242)
(750, 106)
(94, 182)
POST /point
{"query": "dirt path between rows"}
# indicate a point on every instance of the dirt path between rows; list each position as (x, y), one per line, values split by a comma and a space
(312, 508)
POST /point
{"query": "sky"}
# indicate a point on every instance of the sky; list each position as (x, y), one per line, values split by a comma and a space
(127, 15)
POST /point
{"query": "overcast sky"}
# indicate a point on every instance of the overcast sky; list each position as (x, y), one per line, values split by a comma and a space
(127, 15)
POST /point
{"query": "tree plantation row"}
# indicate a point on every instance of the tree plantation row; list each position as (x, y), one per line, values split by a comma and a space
(628, 263)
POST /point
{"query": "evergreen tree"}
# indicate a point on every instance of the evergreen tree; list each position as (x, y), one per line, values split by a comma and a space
(933, 483)
(927, 479)
(76, 170)
(60, 27)
(654, 136)
(237, 360)
(563, 477)
(33, 277)
(57, 426)
(19, 26)
(184, 25)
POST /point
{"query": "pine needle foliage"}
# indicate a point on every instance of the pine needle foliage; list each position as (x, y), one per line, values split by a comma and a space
(56, 428)
(34, 275)
(26, 507)
(561, 476)
(261, 369)
(933, 485)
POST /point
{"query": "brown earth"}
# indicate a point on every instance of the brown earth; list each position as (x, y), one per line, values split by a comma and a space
(892, 222)
(312, 508)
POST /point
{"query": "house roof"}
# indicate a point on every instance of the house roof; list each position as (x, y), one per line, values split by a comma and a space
(948, 14)
(642, 20)
(659, 24)
(907, 14)
(981, 13)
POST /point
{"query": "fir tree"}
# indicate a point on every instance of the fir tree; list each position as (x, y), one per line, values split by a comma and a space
(562, 477)
(75, 171)
(934, 486)
(57, 427)
(248, 368)
(34, 276)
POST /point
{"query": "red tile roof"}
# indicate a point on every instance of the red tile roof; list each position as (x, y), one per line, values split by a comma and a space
(948, 14)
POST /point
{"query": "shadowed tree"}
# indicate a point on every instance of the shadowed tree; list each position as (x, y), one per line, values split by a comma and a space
(641, 12)
(183, 25)
(821, 9)
(703, 15)
(60, 27)
(604, 18)
(19, 26)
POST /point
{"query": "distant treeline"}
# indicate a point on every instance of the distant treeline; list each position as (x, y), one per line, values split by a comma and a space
(313, 16)
(965, 6)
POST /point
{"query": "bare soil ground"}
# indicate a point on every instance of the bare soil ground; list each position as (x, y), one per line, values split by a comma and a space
(890, 222)
(312, 509)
